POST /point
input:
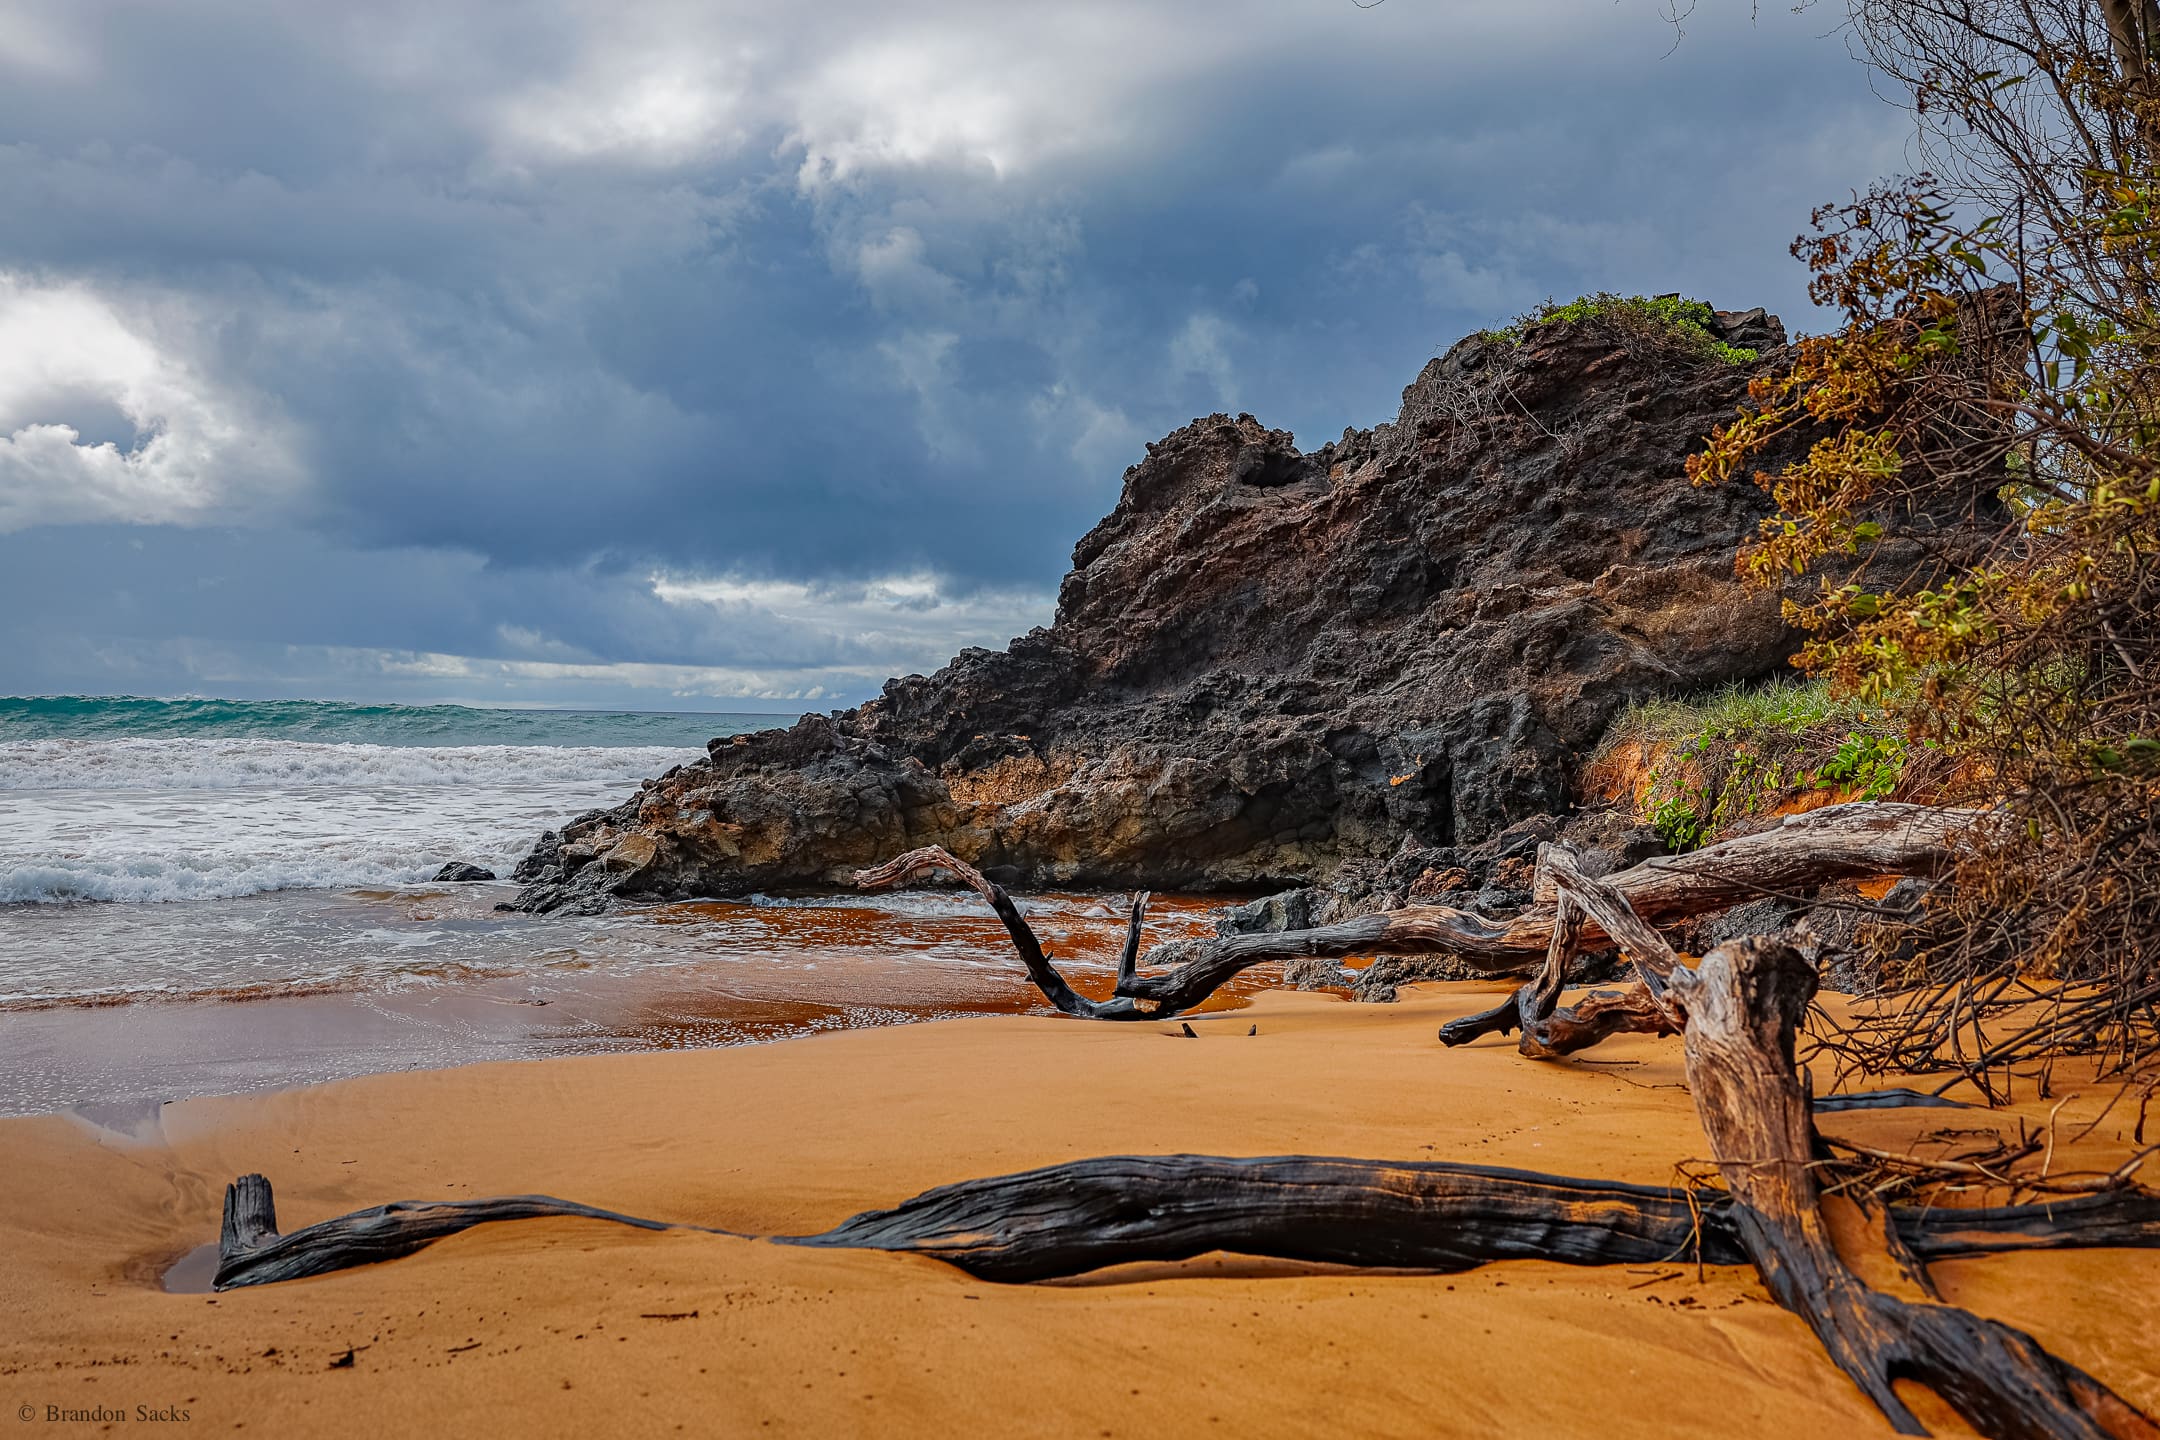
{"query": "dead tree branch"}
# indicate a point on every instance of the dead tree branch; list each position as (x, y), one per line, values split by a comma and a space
(1744, 1005)
(1834, 843)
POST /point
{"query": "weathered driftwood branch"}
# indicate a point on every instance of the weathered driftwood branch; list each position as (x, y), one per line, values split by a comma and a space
(1538, 996)
(251, 1252)
(1865, 838)
(903, 868)
(1070, 1219)
(1645, 1007)
(1550, 1031)
(1834, 843)
(1744, 1003)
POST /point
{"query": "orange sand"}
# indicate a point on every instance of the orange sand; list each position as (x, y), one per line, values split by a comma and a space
(564, 1328)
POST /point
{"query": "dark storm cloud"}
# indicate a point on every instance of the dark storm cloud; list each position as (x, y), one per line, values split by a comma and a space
(493, 340)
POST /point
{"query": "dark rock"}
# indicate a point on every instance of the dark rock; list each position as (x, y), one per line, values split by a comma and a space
(546, 856)
(1606, 840)
(1519, 841)
(1269, 915)
(1747, 329)
(1499, 900)
(1380, 982)
(457, 872)
(1757, 917)
(1315, 973)
(1272, 667)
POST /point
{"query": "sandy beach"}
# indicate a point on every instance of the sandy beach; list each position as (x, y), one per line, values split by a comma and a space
(573, 1327)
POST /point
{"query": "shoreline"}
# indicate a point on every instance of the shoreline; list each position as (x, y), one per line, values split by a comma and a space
(660, 977)
(557, 1327)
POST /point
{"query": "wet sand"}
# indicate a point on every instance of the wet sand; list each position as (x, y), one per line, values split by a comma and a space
(573, 1327)
(489, 986)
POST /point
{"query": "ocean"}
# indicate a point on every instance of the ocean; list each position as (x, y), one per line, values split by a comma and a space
(148, 800)
(207, 896)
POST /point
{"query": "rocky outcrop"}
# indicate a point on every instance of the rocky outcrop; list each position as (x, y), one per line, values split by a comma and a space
(1269, 664)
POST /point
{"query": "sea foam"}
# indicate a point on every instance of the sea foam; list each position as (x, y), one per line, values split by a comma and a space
(224, 764)
(212, 818)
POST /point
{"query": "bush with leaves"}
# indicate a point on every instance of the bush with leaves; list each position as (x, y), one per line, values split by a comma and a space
(1998, 366)
(1702, 767)
(1665, 323)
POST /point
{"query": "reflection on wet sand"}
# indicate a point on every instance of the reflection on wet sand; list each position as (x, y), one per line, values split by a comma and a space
(436, 978)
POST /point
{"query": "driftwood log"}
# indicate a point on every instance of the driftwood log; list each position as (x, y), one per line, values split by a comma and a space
(1836, 842)
(1069, 1219)
(1739, 1011)
(931, 858)
(1745, 1003)
(251, 1252)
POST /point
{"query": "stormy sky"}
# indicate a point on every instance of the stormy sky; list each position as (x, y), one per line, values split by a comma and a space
(674, 355)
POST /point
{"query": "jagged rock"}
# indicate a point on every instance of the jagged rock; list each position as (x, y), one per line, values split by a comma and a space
(1277, 667)
(457, 872)
(1748, 329)
(546, 855)
(1269, 915)
(1758, 917)
(1380, 982)
(1315, 973)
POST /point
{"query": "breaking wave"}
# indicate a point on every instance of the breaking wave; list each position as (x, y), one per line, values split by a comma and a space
(106, 801)
(220, 764)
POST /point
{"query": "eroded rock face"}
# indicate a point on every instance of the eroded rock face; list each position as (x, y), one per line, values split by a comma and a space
(1269, 664)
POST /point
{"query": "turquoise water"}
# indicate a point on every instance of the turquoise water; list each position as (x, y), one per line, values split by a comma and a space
(94, 717)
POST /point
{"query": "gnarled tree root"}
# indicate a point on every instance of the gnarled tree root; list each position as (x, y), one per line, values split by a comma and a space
(1744, 1004)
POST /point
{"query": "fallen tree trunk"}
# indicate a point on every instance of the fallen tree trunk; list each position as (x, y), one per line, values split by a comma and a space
(1070, 1219)
(1801, 851)
(1744, 1005)
(1065, 1220)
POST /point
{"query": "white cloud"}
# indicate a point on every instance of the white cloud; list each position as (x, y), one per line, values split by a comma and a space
(29, 42)
(1202, 347)
(897, 622)
(644, 109)
(1102, 438)
(68, 357)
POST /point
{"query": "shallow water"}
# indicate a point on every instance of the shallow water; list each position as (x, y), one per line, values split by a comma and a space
(424, 977)
(202, 897)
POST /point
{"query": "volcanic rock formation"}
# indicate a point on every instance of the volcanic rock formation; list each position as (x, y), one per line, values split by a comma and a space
(1269, 664)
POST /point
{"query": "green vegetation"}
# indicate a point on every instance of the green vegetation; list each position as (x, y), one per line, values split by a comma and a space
(1741, 751)
(1678, 324)
(1997, 360)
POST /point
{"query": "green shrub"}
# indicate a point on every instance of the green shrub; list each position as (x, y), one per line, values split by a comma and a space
(1741, 751)
(1680, 324)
